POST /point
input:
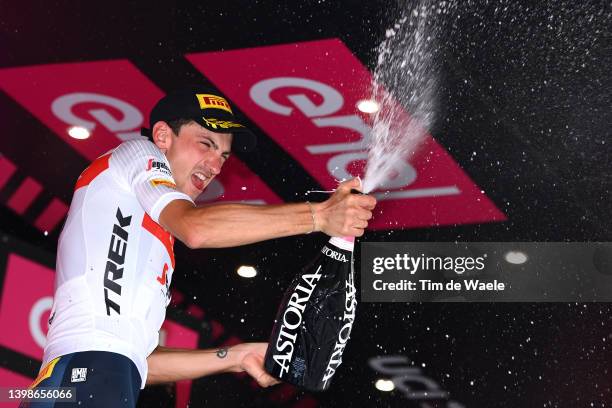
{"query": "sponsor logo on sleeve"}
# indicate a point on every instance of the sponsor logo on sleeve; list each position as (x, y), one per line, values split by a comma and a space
(155, 165)
(162, 182)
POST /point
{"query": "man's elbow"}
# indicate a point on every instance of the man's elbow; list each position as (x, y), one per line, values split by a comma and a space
(154, 379)
(192, 240)
(182, 221)
(194, 236)
(186, 234)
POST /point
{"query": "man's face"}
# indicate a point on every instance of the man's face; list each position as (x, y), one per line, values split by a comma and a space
(196, 156)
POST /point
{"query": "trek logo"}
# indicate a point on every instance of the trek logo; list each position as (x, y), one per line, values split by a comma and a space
(157, 165)
(350, 304)
(115, 261)
(78, 375)
(292, 320)
(334, 254)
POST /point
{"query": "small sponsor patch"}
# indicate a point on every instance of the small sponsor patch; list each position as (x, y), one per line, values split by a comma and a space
(208, 101)
(78, 375)
(223, 124)
(153, 164)
(162, 182)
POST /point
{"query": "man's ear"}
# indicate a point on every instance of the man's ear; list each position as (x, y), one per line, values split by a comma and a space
(162, 135)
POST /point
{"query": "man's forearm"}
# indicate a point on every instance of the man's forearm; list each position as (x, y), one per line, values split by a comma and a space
(239, 224)
(229, 225)
(170, 365)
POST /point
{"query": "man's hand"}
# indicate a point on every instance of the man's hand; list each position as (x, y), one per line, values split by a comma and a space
(345, 214)
(168, 365)
(252, 362)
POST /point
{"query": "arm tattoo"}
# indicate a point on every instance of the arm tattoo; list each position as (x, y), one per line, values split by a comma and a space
(222, 352)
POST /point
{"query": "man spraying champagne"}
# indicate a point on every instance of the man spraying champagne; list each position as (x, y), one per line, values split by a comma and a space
(115, 256)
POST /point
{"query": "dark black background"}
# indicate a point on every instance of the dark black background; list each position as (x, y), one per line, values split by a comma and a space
(524, 109)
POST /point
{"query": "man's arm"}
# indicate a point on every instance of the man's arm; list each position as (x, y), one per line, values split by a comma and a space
(228, 225)
(169, 365)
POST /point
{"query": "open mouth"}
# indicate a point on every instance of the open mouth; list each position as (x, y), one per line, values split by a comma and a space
(199, 180)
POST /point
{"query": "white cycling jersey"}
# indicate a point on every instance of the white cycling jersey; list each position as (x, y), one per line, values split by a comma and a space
(114, 261)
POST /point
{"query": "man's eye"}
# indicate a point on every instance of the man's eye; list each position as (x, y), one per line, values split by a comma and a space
(206, 144)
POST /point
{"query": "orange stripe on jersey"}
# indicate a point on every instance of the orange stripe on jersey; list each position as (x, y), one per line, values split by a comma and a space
(45, 372)
(91, 172)
(160, 233)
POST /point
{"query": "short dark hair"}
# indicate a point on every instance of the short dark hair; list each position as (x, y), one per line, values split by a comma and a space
(175, 125)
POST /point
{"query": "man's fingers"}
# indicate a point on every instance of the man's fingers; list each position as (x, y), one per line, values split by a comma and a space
(266, 380)
(346, 213)
(355, 232)
(253, 365)
(366, 201)
(360, 224)
(364, 214)
(348, 185)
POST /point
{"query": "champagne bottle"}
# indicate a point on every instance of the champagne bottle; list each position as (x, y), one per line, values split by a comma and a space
(315, 318)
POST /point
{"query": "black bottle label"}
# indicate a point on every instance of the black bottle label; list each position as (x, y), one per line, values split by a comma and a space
(315, 319)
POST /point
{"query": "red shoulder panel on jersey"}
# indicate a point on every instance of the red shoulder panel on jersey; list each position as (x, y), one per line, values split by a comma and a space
(160, 233)
(91, 172)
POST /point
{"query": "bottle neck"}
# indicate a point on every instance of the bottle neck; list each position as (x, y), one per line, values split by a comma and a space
(346, 243)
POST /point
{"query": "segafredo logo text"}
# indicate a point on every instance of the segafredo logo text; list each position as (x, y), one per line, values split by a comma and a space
(292, 319)
(350, 304)
(334, 254)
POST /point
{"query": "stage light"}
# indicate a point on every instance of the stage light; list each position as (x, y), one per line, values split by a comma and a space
(368, 106)
(247, 271)
(79, 132)
(384, 385)
(516, 257)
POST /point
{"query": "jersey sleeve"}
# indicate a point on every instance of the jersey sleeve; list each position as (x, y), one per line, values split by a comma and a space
(144, 170)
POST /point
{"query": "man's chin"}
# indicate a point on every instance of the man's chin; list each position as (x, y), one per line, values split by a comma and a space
(191, 192)
(207, 193)
(197, 193)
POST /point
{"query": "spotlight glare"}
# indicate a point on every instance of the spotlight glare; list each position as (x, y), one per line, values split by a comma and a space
(516, 257)
(384, 385)
(79, 132)
(368, 106)
(247, 271)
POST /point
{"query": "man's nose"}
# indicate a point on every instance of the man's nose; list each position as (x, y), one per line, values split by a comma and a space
(215, 164)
